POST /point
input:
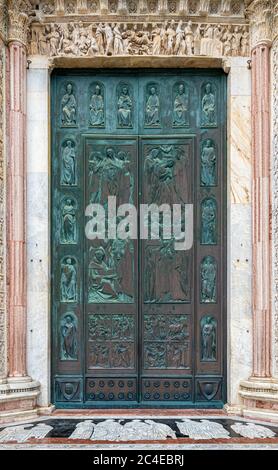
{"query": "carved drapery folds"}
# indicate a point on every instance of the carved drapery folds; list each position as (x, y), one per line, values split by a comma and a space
(178, 38)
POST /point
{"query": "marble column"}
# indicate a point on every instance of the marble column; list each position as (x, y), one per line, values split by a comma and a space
(260, 392)
(18, 396)
(275, 183)
(3, 309)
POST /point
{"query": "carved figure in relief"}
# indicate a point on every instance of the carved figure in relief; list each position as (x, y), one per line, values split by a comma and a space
(176, 357)
(118, 40)
(180, 40)
(69, 337)
(236, 41)
(245, 42)
(155, 355)
(68, 281)
(164, 38)
(124, 108)
(68, 170)
(68, 104)
(43, 45)
(208, 226)
(207, 40)
(109, 39)
(160, 167)
(197, 40)
(227, 41)
(180, 111)
(208, 338)
(97, 108)
(152, 108)
(105, 281)
(69, 222)
(82, 5)
(54, 39)
(100, 38)
(208, 106)
(121, 355)
(208, 164)
(208, 280)
(189, 38)
(99, 355)
(225, 6)
(156, 38)
(204, 6)
(171, 34)
(217, 45)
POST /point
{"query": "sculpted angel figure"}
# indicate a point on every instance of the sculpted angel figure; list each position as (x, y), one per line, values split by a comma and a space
(189, 37)
(180, 40)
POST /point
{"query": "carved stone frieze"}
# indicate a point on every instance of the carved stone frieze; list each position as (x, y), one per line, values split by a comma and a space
(138, 7)
(153, 39)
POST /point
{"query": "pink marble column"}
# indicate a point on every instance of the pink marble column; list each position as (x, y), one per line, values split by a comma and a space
(17, 199)
(261, 202)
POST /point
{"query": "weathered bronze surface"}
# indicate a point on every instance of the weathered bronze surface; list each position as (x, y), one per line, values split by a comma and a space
(136, 322)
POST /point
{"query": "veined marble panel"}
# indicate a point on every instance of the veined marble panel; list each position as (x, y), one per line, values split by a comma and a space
(240, 149)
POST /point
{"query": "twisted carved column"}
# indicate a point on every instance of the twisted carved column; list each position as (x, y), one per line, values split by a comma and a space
(260, 392)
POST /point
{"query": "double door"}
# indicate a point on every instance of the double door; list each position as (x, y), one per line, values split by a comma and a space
(136, 322)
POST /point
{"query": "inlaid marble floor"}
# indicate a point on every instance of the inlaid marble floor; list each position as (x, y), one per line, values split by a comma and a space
(130, 431)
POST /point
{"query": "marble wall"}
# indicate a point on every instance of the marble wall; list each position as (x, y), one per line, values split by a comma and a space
(38, 226)
(239, 347)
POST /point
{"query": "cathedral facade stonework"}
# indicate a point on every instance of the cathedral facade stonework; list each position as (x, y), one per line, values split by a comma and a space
(239, 37)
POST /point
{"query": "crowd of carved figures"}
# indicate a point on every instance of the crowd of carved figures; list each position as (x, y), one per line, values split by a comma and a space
(112, 39)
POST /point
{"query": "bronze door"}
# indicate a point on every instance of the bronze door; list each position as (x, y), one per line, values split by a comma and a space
(137, 323)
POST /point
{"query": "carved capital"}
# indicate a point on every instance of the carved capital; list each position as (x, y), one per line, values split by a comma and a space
(275, 22)
(259, 13)
(18, 20)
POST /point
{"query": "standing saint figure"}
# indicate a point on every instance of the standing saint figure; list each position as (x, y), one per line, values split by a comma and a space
(68, 107)
(208, 280)
(109, 39)
(208, 107)
(208, 333)
(156, 39)
(152, 108)
(180, 116)
(118, 40)
(68, 173)
(124, 108)
(208, 214)
(68, 282)
(189, 38)
(208, 164)
(180, 40)
(100, 38)
(97, 108)
(69, 222)
(69, 338)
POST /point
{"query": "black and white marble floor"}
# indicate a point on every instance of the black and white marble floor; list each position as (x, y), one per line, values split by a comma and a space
(128, 431)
